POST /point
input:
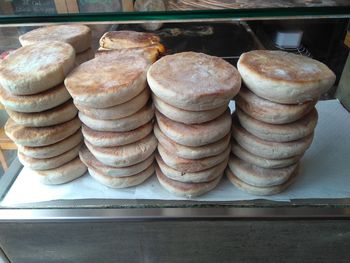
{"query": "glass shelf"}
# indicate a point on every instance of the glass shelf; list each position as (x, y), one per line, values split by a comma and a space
(29, 15)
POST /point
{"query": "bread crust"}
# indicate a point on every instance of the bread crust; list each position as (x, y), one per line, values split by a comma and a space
(194, 81)
(284, 77)
(188, 190)
(79, 36)
(35, 68)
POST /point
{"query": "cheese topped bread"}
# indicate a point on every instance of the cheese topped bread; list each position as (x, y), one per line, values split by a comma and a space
(127, 39)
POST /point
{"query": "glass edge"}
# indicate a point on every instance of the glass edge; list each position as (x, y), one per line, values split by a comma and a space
(168, 16)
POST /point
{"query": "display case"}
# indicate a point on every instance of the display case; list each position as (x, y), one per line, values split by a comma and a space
(83, 221)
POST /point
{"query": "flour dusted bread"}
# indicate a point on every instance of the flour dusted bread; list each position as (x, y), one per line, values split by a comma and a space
(191, 165)
(190, 152)
(195, 134)
(254, 190)
(125, 39)
(267, 149)
(126, 155)
(36, 68)
(257, 176)
(185, 116)
(58, 115)
(243, 154)
(90, 161)
(284, 77)
(119, 111)
(279, 132)
(110, 139)
(49, 163)
(52, 150)
(102, 83)
(128, 123)
(122, 182)
(62, 174)
(35, 103)
(185, 189)
(43, 136)
(194, 81)
(196, 177)
(271, 112)
(79, 36)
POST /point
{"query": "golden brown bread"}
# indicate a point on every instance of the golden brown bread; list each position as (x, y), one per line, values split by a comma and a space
(102, 83)
(127, 39)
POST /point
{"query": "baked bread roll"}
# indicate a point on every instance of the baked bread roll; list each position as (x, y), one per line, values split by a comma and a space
(284, 77)
(194, 81)
(36, 68)
(79, 36)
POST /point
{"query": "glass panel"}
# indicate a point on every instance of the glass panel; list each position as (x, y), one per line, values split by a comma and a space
(322, 39)
(40, 11)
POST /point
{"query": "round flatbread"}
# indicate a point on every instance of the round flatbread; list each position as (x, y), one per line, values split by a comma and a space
(126, 155)
(52, 150)
(194, 81)
(195, 134)
(185, 116)
(257, 176)
(84, 56)
(110, 139)
(188, 190)
(125, 39)
(279, 132)
(271, 112)
(122, 182)
(188, 165)
(49, 163)
(190, 152)
(102, 83)
(43, 101)
(254, 190)
(36, 68)
(90, 161)
(284, 77)
(79, 36)
(58, 115)
(43, 136)
(197, 177)
(129, 123)
(267, 149)
(63, 174)
(119, 111)
(243, 154)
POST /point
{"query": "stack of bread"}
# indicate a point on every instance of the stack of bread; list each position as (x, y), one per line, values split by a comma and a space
(79, 36)
(112, 96)
(43, 119)
(137, 43)
(191, 92)
(275, 118)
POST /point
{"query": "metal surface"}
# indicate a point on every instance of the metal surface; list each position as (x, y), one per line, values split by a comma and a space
(184, 241)
(9, 177)
(98, 214)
